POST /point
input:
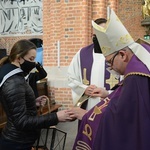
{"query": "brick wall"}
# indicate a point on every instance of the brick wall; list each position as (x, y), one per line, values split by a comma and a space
(66, 22)
(70, 23)
(60, 96)
(130, 14)
(8, 42)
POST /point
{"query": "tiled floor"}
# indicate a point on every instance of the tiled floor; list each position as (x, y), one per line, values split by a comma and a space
(68, 127)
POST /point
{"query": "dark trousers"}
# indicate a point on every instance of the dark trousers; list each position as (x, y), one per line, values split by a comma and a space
(11, 145)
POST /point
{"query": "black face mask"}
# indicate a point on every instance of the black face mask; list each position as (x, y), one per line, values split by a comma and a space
(97, 48)
(27, 66)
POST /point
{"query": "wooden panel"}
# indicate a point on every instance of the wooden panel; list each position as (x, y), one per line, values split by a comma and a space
(43, 90)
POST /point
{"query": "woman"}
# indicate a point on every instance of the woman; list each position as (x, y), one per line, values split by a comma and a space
(18, 100)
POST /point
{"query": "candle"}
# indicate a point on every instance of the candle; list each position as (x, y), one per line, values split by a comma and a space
(58, 54)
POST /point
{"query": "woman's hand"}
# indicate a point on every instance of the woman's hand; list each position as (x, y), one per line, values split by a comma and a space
(64, 115)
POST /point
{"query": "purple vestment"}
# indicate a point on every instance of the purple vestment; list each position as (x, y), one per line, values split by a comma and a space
(121, 122)
(90, 123)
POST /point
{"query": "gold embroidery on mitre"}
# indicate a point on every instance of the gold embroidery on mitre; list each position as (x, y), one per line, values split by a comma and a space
(105, 49)
(88, 131)
(82, 145)
(124, 40)
(98, 27)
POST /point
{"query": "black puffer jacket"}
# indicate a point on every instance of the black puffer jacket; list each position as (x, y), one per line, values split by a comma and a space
(18, 101)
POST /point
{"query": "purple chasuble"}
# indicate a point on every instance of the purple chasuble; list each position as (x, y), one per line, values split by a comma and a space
(121, 121)
(126, 122)
(89, 124)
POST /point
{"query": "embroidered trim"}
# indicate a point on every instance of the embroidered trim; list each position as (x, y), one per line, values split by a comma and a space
(137, 73)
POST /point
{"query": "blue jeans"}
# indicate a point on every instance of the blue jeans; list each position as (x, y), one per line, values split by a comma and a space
(11, 145)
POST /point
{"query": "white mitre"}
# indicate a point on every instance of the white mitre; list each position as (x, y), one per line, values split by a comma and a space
(114, 37)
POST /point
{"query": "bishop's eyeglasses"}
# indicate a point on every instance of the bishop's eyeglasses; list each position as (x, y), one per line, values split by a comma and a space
(111, 60)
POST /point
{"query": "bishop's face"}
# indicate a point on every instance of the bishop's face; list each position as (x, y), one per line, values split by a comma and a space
(117, 61)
